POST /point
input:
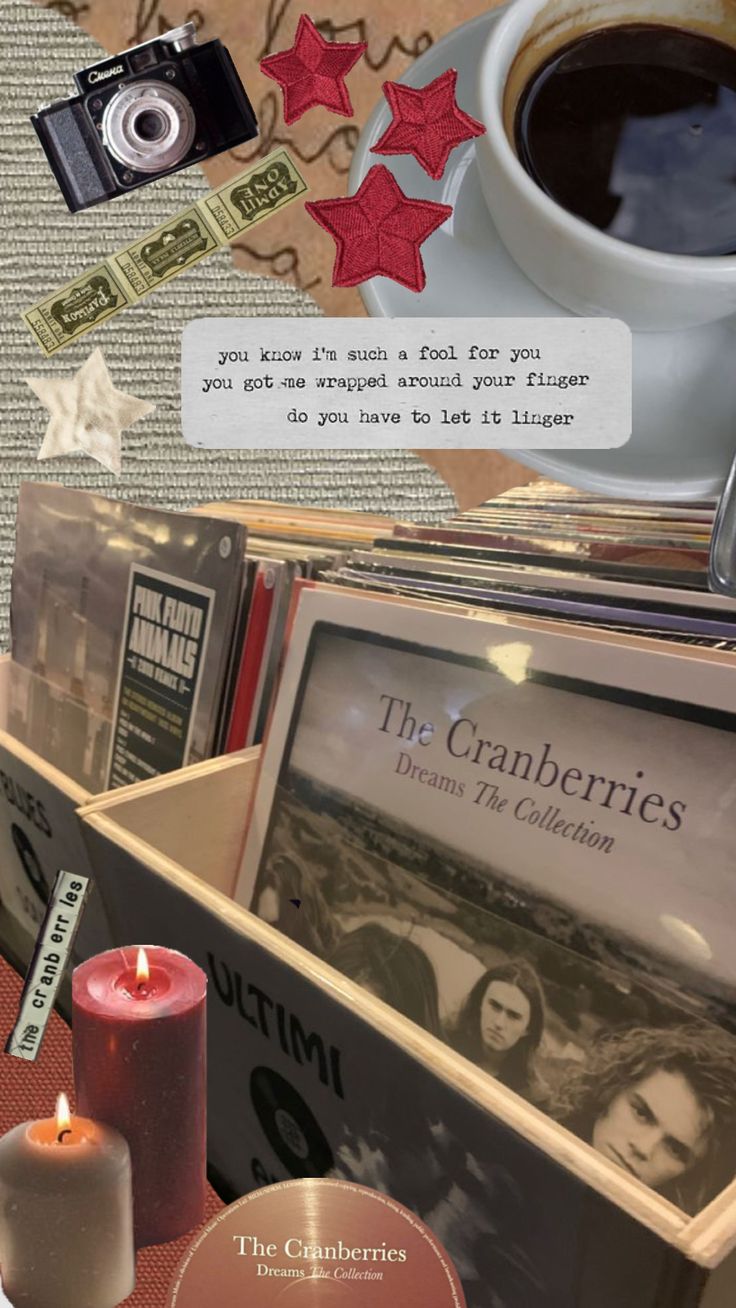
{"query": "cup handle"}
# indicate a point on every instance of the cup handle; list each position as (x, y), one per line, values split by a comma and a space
(722, 557)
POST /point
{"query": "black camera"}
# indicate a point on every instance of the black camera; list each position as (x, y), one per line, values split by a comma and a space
(143, 114)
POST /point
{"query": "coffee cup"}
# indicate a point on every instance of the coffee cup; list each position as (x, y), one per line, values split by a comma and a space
(581, 267)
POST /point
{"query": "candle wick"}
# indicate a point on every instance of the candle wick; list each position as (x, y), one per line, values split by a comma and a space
(67, 1131)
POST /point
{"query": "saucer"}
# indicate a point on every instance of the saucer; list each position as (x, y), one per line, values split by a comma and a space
(684, 382)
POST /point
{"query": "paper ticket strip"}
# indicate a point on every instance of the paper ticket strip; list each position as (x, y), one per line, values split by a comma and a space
(50, 956)
(128, 276)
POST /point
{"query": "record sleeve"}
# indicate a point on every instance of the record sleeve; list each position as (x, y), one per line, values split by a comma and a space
(254, 651)
(122, 618)
(655, 567)
(666, 621)
(550, 578)
(635, 554)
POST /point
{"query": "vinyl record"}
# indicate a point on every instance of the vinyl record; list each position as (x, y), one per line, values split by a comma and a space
(289, 1125)
(316, 1242)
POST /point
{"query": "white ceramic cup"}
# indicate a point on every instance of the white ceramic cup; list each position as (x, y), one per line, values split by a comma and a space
(576, 264)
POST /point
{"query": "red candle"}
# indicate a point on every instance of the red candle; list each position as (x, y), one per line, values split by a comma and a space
(138, 1034)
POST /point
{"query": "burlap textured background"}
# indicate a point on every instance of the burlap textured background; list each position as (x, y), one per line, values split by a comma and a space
(42, 246)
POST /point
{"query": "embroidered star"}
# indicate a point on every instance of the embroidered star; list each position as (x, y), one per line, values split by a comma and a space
(313, 71)
(427, 122)
(378, 231)
(88, 414)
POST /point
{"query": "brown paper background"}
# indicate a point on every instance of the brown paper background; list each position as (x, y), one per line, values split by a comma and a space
(289, 245)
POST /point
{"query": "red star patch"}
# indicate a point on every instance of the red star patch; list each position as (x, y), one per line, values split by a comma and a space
(427, 123)
(313, 72)
(378, 231)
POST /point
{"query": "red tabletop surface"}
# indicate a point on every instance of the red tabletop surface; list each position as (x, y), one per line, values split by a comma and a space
(29, 1090)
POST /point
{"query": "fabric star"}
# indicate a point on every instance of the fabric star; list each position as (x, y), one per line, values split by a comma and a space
(88, 414)
(427, 122)
(378, 231)
(313, 71)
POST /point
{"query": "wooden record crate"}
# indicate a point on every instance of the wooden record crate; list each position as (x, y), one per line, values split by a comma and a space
(309, 1074)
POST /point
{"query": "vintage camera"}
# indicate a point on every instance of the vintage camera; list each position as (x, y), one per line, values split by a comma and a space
(142, 114)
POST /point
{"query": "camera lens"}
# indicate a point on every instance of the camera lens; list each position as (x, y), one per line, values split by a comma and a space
(148, 126)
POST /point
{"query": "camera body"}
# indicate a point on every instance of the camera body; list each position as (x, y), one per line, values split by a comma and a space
(143, 114)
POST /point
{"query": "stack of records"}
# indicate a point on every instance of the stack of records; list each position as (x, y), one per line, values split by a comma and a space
(122, 620)
(564, 555)
(143, 640)
(285, 544)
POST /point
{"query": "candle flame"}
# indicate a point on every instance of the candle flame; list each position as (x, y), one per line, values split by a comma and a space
(141, 967)
(63, 1115)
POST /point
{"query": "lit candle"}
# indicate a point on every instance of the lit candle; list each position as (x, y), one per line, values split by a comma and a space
(66, 1214)
(138, 1035)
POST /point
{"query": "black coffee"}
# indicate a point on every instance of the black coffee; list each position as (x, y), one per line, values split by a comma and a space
(633, 128)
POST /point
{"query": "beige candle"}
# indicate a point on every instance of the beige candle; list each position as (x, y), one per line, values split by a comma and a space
(66, 1214)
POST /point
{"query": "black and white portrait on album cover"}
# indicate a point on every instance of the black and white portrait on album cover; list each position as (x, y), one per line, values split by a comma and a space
(474, 1205)
(550, 1004)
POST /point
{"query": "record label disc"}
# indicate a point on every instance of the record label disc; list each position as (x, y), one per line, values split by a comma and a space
(316, 1242)
(289, 1126)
